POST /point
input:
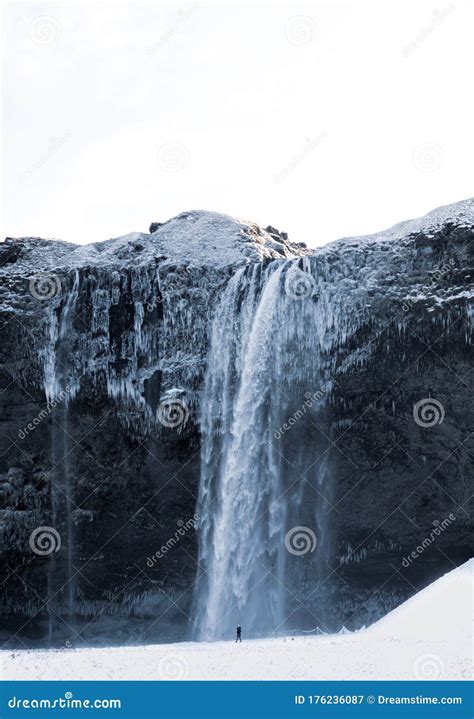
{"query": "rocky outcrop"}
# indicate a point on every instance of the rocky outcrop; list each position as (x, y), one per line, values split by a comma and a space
(103, 357)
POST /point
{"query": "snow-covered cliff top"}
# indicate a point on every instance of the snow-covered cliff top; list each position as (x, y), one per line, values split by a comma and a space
(460, 214)
(209, 239)
(196, 238)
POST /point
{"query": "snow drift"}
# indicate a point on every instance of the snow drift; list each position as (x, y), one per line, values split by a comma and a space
(428, 637)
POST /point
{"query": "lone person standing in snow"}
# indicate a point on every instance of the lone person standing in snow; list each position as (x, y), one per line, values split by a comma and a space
(238, 638)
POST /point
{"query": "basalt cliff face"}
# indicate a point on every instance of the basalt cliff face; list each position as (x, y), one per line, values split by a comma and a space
(209, 424)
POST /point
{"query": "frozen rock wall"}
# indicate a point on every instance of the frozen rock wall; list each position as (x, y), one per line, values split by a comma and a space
(106, 394)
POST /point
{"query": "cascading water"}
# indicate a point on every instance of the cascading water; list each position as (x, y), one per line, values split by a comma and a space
(261, 482)
(59, 387)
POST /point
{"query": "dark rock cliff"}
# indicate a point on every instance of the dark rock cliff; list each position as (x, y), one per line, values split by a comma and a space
(103, 354)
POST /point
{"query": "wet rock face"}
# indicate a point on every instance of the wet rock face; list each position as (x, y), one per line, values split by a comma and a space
(404, 465)
(102, 362)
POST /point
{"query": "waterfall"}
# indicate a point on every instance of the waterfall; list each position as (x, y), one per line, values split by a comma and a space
(60, 385)
(262, 475)
(63, 355)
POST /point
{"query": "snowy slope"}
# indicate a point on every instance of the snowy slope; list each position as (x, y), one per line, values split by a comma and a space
(428, 637)
(459, 213)
(440, 611)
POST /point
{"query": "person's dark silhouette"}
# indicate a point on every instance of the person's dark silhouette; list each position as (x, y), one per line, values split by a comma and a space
(238, 637)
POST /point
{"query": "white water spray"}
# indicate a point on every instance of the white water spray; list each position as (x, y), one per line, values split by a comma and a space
(264, 360)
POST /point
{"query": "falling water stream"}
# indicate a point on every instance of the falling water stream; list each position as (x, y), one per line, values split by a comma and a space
(265, 477)
(256, 477)
(59, 388)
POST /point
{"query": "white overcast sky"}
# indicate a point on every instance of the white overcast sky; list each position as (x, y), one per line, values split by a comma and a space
(322, 119)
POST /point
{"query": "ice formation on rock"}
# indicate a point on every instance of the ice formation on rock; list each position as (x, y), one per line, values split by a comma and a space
(274, 353)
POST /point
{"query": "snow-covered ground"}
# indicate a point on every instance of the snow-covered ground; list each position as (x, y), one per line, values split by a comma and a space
(427, 637)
